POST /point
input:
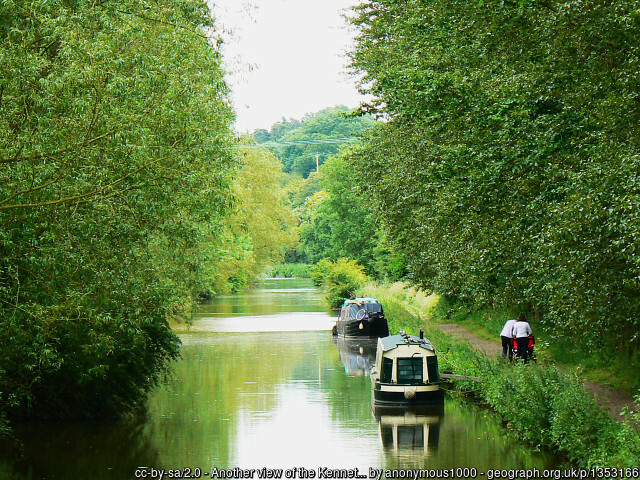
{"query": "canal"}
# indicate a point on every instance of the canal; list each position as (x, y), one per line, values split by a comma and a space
(262, 384)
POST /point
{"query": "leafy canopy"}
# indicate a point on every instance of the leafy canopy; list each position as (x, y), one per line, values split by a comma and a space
(507, 165)
(114, 190)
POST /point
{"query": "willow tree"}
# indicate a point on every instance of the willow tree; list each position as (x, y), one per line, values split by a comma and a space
(262, 225)
(114, 185)
(508, 163)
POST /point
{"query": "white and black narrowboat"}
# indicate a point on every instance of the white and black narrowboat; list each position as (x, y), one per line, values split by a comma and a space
(361, 317)
(405, 373)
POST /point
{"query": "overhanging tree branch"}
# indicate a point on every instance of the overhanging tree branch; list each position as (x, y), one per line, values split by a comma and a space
(80, 196)
(29, 190)
(40, 156)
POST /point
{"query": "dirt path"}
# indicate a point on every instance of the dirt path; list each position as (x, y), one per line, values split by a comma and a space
(612, 400)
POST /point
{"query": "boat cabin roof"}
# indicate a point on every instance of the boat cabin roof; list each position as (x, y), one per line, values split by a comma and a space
(351, 307)
(359, 301)
(394, 341)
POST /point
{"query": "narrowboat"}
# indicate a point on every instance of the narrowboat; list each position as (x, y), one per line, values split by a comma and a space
(405, 373)
(361, 317)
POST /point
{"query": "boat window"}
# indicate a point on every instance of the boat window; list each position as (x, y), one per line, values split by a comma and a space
(373, 307)
(432, 369)
(410, 370)
(353, 311)
(387, 370)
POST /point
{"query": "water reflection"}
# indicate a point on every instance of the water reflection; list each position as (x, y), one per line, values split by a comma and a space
(280, 305)
(104, 450)
(269, 397)
(410, 433)
(356, 354)
(275, 296)
(274, 399)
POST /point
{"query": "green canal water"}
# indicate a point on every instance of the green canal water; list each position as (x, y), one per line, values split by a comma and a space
(263, 385)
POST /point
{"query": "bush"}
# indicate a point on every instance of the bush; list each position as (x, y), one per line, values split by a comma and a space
(341, 279)
(101, 367)
(320, 271)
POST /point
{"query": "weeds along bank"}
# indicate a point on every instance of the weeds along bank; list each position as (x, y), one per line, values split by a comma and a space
(541, 404)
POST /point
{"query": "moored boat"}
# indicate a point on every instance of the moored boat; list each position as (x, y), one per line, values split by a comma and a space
(405, 373)
(361, 317)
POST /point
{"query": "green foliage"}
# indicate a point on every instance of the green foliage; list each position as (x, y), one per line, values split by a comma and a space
(114, 190)
(290, 270)
(278, 130)
(541, 404)
(342, 224)
(546, 406)
(507, 169)
(340, 279)
(311, 136)
(320, 271)
(338, 221)
(262, 225)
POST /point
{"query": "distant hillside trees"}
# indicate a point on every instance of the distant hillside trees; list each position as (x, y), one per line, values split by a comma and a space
(307, 142)
(507, 168)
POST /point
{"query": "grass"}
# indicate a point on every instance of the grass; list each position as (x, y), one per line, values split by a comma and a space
(541, 404)
(603, 366)
(404, 301)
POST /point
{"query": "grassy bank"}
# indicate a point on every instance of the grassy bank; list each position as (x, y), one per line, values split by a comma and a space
(541, 404)
(603, 367)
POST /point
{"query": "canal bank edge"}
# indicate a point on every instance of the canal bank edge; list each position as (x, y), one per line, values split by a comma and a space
(613, 401)
(581, 430)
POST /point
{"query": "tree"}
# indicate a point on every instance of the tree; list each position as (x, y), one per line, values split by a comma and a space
(507, 166)
(310, 142)
(262, 226)
(114, 189)
(339, 222)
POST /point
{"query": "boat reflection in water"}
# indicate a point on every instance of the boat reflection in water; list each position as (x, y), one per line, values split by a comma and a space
(356, 354)
(413, 433)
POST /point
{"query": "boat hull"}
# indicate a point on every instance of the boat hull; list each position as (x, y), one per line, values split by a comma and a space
(405, 396)
(363, 328)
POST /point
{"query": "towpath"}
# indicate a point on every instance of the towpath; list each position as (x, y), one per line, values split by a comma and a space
(612, 400)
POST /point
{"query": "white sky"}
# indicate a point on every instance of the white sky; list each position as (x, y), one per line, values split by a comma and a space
(286, 58)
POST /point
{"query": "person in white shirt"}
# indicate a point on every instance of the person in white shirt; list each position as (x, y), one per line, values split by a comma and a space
(506, 335)
(521, 332)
